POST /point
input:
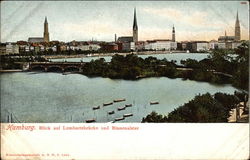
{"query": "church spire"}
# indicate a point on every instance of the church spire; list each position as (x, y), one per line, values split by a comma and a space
(46, 31)
(135, 28)
(237, 28)
(135, 21)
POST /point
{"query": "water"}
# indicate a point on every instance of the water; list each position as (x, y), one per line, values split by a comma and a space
(174, 56)
(53, 97)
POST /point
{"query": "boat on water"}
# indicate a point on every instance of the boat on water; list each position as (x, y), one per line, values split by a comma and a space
(90, 120)
(128, 105)
(128, 115)
(121, 108)
(154, 102)
(96, 107)
(107, 104)
(119, 119)
(119, 100)
(66, 73)
(111, 112)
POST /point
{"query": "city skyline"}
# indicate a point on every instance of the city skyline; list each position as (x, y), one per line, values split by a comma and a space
(101, 20)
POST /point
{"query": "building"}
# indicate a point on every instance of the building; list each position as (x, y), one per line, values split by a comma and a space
(213, 44)
(35, 40)
(135, 28)
(46, 31)
(128, 46)
(12, 48)
(125, 39)
(2, 48)
(173, 34)
(160, 44)
(45, 37)
(109, 47)
(237, 35)
(237, 29)
(199, 46)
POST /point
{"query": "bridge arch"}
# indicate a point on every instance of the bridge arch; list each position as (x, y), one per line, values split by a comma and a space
(71, 69)
(38, 68)
(54, 69)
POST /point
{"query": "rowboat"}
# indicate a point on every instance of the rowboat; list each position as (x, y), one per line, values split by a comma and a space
(96, 107)
(90, 120)
(119, 100)
(120, 108)
(111, 112)
(119, 119)
(128, 115)
(106, 104)
(154, 102)
(128, 105)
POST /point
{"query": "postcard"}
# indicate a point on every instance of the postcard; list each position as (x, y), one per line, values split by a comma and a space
(124, 80)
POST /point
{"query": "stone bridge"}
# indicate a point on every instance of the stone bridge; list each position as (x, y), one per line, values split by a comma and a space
(56, 66)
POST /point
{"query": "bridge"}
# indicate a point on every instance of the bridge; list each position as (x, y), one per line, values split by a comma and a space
(55, 66)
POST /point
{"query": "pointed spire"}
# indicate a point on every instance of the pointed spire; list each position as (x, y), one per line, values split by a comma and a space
(237, 17)
(225, 33)
(45, 19)
(135, 21)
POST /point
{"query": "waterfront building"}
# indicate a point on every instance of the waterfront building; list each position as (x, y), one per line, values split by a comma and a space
(109, 47)
(2, 48)
(12, 48)
(222, 45)
(135, 28)
(213, 44)
(199, 46)
(160, 44)
(128, 46)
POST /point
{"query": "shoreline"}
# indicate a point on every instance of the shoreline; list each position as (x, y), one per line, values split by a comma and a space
(110, 54)
(10, 70)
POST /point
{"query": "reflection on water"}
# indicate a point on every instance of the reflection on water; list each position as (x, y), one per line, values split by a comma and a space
(53, 97)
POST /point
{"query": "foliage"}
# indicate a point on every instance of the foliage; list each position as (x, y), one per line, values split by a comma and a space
(203, 108)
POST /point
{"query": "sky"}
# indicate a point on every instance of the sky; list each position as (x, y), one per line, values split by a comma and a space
(101, 20)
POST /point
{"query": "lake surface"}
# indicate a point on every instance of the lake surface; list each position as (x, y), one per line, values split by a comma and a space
(173, 56)
(53, 97)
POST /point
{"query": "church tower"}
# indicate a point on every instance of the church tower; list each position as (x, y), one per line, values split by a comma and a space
(237, 28)
(173, 34)
(135, 28)
(46, 31)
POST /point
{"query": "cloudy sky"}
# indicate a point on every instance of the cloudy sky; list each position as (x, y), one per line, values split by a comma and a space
(100, 20)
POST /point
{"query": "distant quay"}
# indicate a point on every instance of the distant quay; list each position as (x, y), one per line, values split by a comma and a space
(10, 70)
(110, 54)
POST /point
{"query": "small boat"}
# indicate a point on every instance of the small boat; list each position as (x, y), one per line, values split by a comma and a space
(119, 100)
(111, 112)
(119, 119)
(96, 107)
(90, 120)
(120, 108)
(128, 115)
(154, 102)
(128, 105)
(106, 104)
(66, 73)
